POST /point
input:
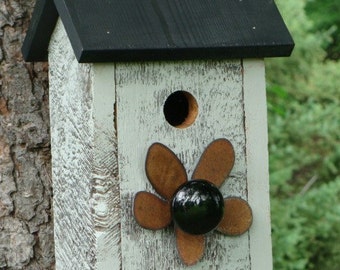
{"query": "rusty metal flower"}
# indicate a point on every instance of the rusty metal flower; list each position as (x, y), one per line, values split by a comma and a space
(196, 207)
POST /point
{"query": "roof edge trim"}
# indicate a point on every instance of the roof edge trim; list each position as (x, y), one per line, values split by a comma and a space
(175, 54)
(44, 19)
(70, 28)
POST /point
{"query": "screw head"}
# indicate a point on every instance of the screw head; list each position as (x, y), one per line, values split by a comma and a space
(197, 207)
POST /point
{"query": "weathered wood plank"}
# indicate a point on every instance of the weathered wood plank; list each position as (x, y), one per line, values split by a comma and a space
(141, 92)
(105, 198)
(71, 150)
(86, 193)
(257, 163)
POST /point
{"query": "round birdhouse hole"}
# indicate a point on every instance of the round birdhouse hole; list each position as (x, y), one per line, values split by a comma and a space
(180, 109)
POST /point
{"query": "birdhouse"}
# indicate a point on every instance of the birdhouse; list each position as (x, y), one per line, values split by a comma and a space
(159, 130)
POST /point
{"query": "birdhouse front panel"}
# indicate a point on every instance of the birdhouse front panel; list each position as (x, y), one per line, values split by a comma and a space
(143, 91)
(106, 119)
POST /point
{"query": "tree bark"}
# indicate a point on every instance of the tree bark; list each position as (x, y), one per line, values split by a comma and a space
(26, 225)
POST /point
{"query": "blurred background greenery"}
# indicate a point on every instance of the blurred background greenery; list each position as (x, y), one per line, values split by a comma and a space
(304, 134)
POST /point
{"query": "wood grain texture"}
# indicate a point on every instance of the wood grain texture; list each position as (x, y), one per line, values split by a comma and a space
(142, 89)
(105, 196)
(86, 191)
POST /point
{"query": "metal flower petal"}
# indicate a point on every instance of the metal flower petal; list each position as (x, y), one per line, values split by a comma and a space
(150, 211)
(164, 170)
(216, 162)
(190, 247)
(237, 217)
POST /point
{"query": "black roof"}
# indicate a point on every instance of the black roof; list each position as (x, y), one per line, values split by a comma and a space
(133, 30)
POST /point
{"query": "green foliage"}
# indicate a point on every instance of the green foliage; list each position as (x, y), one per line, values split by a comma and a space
(325, 15)
(306, 229)
(304, 145)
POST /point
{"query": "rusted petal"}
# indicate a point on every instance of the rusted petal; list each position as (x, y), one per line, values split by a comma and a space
(237, 217)
(164, 170)
(150, 211)
(190, 247)
(216, 162)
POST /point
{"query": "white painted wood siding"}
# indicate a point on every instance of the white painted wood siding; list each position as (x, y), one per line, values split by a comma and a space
(104, 117)
(84, 165)
(141, 91)
(255, 108)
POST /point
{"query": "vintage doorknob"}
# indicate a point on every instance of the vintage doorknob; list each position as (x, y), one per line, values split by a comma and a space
(197, 207)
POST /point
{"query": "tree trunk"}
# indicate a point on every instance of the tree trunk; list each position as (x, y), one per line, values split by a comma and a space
(26, 225)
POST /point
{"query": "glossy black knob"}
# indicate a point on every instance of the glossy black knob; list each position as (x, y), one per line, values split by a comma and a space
(197, 207)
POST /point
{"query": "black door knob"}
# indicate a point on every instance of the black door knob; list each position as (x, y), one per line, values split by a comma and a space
(197, 207)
